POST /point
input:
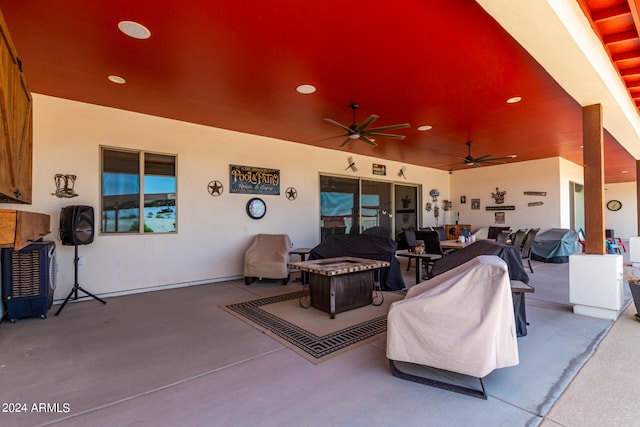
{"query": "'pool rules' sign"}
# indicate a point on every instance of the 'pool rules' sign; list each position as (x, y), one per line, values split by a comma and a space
(253, 180)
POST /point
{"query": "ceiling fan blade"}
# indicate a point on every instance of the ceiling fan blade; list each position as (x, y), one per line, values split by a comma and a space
(340, 125)
(481, 158)
(390, 127)
(345, 142)
(368, 141)
(501, 158)
(384, 135)
(362, 126)
(331, 137)
(491, 162)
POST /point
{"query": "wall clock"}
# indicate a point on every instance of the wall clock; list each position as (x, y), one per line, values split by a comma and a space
(614, 205)
(256, 208)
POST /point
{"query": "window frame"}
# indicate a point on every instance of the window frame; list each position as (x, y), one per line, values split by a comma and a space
(141, 154)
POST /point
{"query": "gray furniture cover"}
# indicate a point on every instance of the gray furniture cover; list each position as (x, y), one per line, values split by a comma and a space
(510, 254)
(554, 245)
(364, 246)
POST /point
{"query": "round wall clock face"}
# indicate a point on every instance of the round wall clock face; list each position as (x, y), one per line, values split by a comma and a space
(256, 208)
(614, 205)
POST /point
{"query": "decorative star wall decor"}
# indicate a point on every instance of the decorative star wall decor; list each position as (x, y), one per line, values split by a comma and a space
(291, 193)
(215, 188)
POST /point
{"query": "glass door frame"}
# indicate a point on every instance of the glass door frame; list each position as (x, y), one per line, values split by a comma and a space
(392, 232)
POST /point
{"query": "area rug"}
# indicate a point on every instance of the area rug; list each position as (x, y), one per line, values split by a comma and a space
(310, 332)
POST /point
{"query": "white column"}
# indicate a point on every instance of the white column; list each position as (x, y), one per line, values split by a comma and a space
(596, 285)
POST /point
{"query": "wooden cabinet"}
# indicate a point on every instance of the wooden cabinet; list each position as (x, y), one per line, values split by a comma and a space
(16, 128)
(454, 230)
(19, 228)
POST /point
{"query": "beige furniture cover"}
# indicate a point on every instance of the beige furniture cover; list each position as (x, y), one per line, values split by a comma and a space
(460, 321)
(267, 257)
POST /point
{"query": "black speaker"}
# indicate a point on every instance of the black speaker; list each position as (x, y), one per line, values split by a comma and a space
(76, 225)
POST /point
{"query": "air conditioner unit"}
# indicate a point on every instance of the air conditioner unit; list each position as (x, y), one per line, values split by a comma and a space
(28, 280)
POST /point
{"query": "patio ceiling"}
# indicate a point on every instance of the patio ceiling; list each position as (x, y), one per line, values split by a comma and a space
(236, 65)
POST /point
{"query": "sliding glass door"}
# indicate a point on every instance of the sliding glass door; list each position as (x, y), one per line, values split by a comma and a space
(377, 209)
(406, 211)
(355, 206)
(339, 206)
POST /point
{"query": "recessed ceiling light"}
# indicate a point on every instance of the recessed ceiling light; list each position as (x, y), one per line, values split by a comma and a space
(135, 30)
(425, 127)
(306, 89)
(116, 79)
(624, 171)
(514, 100)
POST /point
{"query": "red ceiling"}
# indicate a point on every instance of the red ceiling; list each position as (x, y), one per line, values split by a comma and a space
(236, 64)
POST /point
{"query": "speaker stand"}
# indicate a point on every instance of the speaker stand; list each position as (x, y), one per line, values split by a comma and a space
(76, 286)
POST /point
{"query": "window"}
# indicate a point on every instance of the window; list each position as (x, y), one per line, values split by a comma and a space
(138, 185)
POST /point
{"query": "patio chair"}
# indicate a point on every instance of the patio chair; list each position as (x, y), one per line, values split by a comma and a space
(436, 327)
(493, 232)
(410, 238)
(503, 236)
(581, 239)
(431, 240)
(527, 246)
(518, 238)
(266, 258)
(613, 247)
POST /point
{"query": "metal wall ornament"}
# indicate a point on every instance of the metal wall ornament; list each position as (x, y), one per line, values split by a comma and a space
(447, 205)
(352, 165)
(64, 186)
(215, 188)
(401, 174)
(498, 196)
(291, 193)
(434, 194)
(428, 206)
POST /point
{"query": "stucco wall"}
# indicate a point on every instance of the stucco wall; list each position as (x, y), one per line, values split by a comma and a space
(515, 178)
(212, 232)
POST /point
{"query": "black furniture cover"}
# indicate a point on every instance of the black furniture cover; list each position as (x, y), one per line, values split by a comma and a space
(364, 246)
(554, 245)
(510, 254)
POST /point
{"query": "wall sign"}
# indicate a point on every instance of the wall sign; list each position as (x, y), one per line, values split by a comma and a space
(500, 208)
(379, 169)
(254, 180)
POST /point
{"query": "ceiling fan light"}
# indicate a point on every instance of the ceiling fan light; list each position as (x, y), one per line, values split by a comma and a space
(514, 100)
(354, 136)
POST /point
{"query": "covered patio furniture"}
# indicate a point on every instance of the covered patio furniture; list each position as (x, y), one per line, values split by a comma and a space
(266, 258)
(510, 254)
(554, 245)
(364, 246)
(481, 233)
(460, 321)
